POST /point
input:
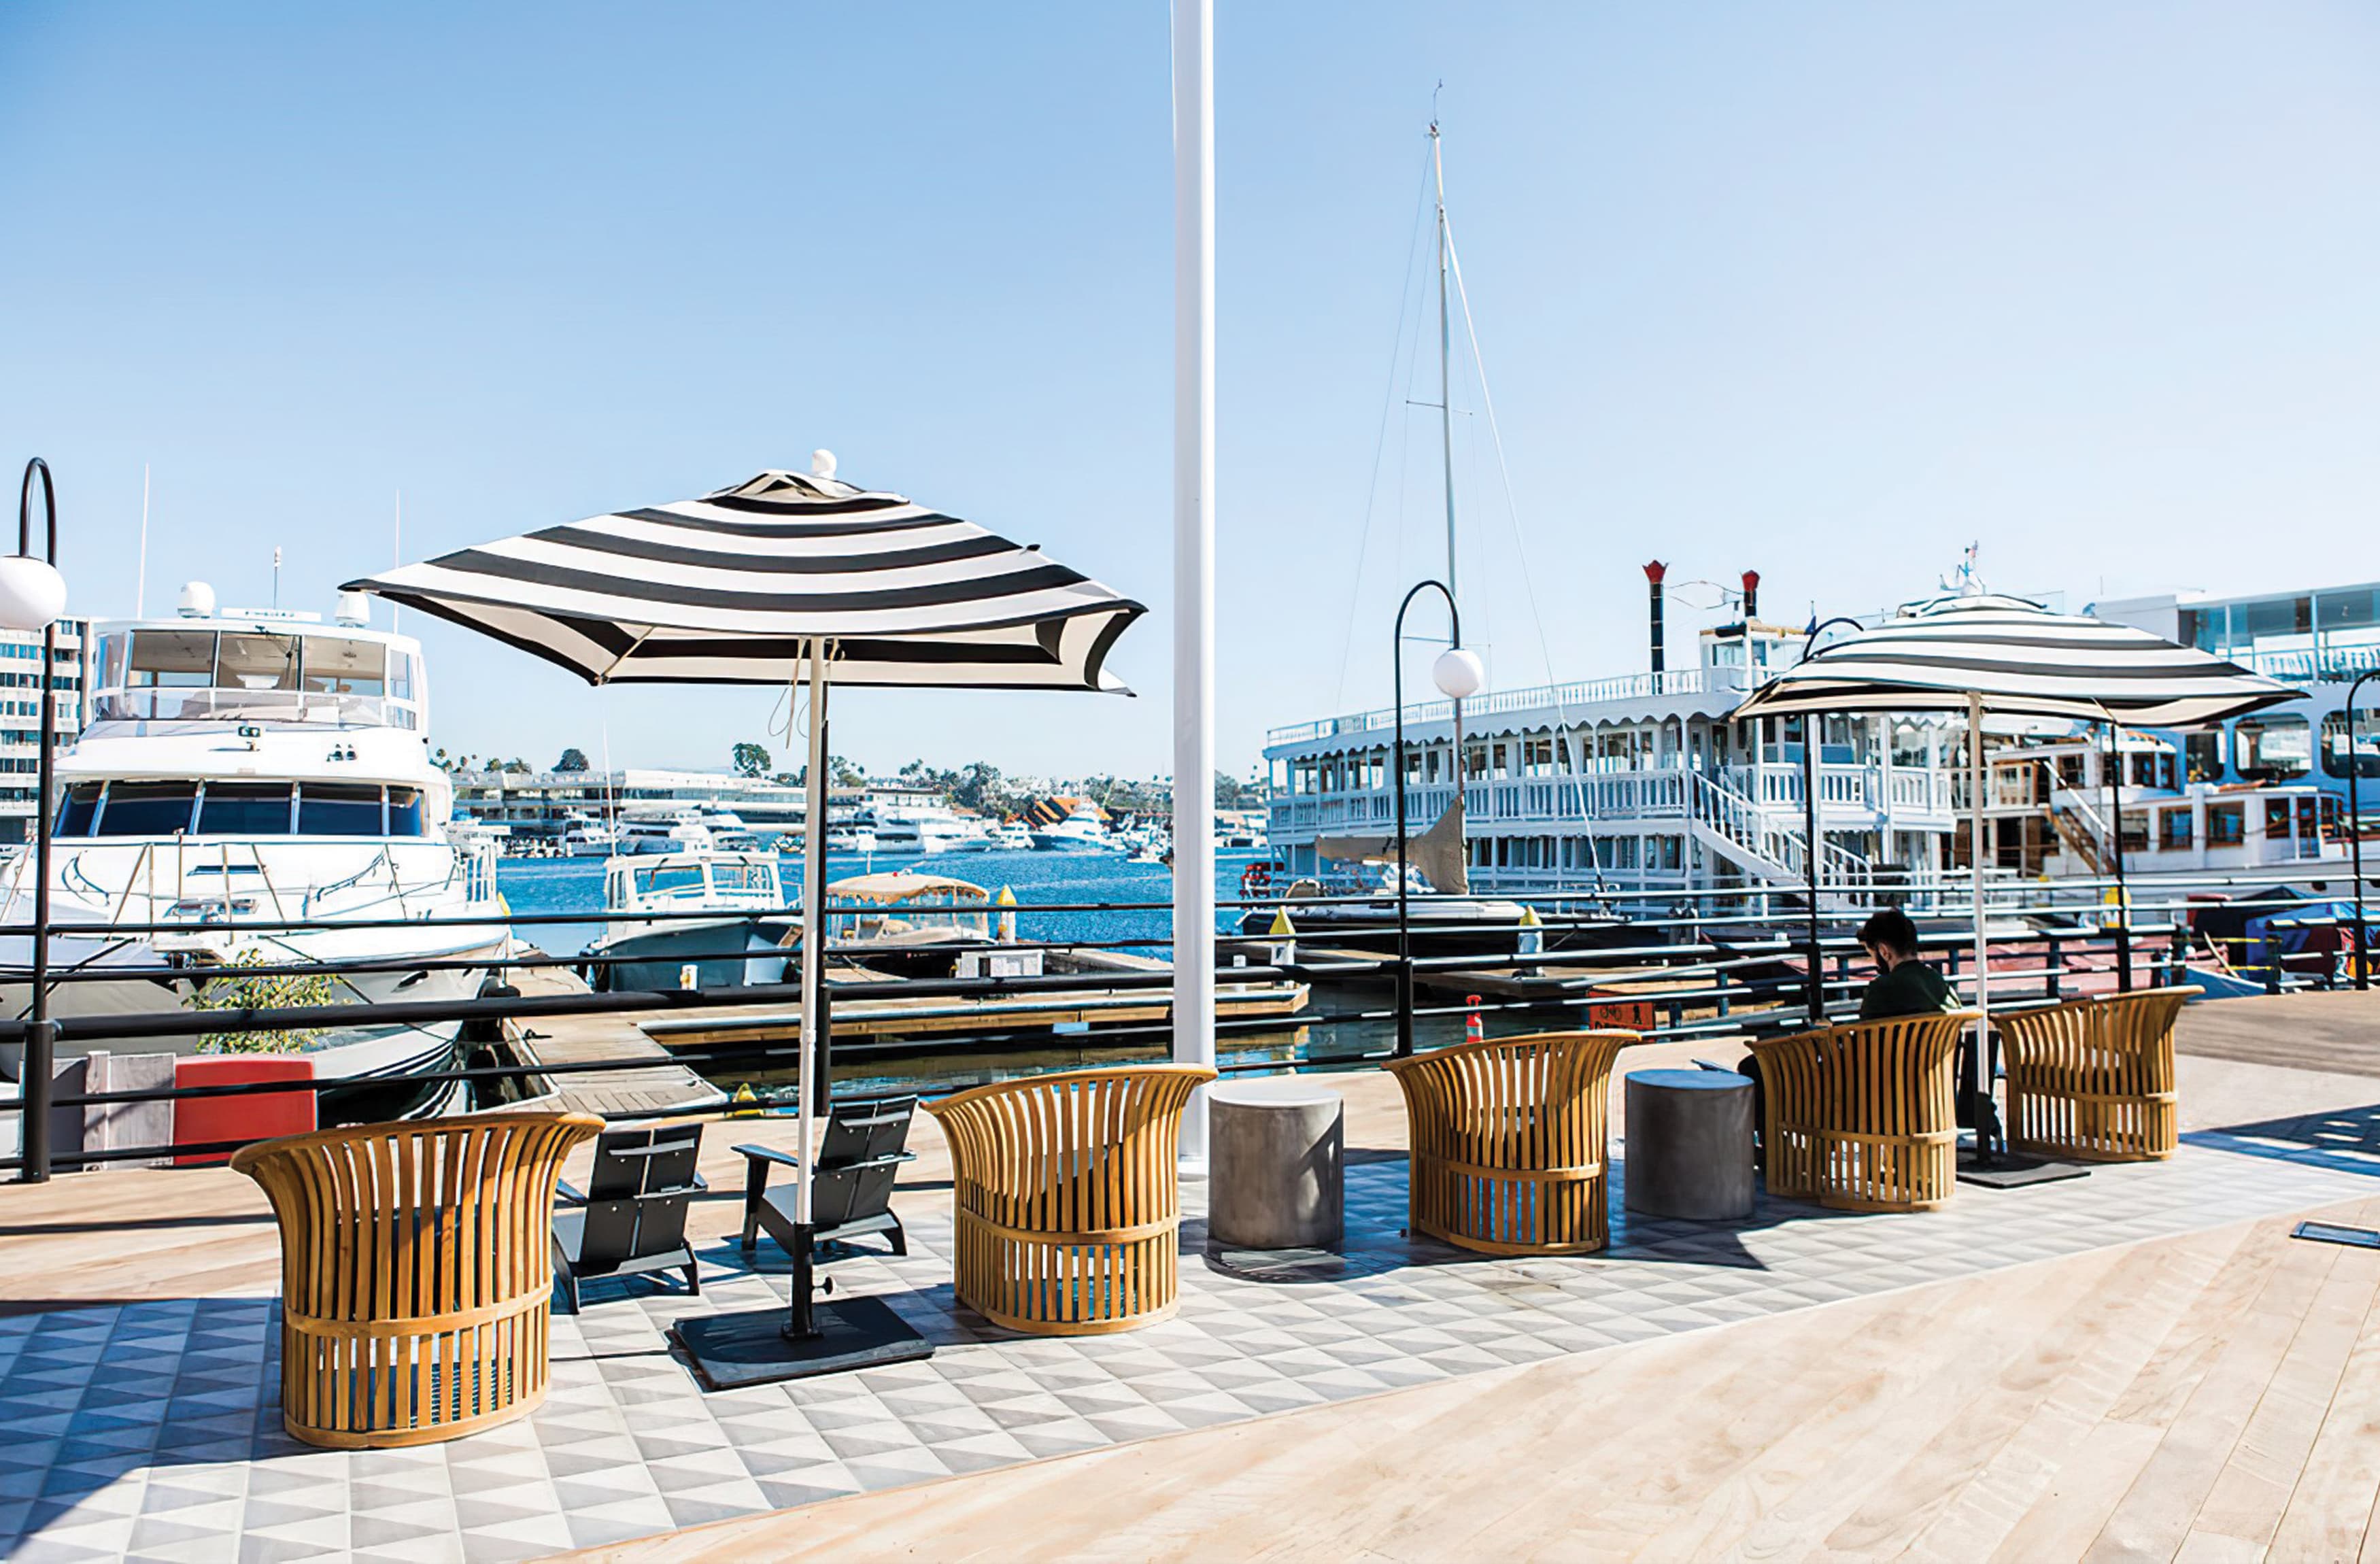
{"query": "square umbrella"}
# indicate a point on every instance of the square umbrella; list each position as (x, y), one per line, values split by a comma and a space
(785, 578)
(1979, 652)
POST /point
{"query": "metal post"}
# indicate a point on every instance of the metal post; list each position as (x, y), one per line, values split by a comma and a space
(801, 1320)
(2115, 764)
(1397, 783)
(1811, 839)
(2355, 830)
(1975, 778)
(1194, 556)
(33, 1083)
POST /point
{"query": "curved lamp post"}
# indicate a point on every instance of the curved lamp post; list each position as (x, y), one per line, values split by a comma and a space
(33, 595)
(2355, 829)
(1458, 675)
(1811, 727)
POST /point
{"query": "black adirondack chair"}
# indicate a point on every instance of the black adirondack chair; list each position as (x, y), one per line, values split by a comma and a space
(858, 1155)
(631, 1219)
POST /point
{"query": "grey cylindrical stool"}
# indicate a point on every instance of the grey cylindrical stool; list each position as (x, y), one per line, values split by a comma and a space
(1275, 1171)
(1689, 1143)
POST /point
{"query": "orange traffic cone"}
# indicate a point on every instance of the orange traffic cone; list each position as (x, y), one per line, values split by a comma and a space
(1472, 1031)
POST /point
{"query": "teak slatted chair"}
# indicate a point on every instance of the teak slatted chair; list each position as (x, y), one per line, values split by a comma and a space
(416, 1273)
(1509, 1141)
(1862, 1117)
(1068, 1201)
(631, 1219)
(859, 1158)
(2093, 1080)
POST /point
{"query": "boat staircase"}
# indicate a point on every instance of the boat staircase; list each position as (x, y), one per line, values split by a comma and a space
(2081, 829)
(1754, 838)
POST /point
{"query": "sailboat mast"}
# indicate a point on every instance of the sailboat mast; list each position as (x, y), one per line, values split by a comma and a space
(1445, 352)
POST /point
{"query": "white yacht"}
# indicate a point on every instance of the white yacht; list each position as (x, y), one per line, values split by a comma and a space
(659, 936)
(1080, 831)
(584, 836)
(852, 838)
(247, 768)
(1011, 837)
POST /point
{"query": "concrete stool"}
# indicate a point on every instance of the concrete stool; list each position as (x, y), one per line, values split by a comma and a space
(1689, 1139)
(1276, 1167)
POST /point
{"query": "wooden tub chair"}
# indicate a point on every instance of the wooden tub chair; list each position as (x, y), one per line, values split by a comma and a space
(1069, 1206)
(1863, 1117)
(2093, 1080)
(1507, 1142)
(416, 1273)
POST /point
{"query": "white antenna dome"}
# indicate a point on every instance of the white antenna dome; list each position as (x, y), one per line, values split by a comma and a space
(823, 463)
(353, 609)
(197, 601)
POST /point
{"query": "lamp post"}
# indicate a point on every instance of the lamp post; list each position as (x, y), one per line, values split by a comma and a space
(33, 595)
(1811, 728)
(1458, 675)
(2355, 829)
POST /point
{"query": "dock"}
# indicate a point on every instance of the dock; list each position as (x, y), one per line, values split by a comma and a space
(663, 1086)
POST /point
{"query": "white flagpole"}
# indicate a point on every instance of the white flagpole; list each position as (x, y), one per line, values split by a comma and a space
(1193, 556)
(813, 931)
(1975, 781)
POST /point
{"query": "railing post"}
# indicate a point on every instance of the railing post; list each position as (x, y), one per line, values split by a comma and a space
(35, 1086)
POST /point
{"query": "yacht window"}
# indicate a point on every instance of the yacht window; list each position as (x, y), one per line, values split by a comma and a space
(2274, 748)
(740, 877)
(111, 662)
(244, 809)
(335, 665)
(2367, 744)
(147, 809)
(404, 811)
(173, 658)
(77, 810)
(663, 881)
(2226, 825)
(2204, 752)
(337, 808)
(400, 675)
(2277, 816)
(2173, 828)
(247, 661)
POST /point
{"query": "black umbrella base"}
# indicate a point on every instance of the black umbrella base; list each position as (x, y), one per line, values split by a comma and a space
(2010, 1170)
(732, 1351)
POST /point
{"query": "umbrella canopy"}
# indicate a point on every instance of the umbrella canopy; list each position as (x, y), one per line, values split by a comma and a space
(2024, 661)
(726, 588)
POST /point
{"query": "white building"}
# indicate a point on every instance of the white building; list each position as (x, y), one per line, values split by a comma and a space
(541, 803)
(20, 722)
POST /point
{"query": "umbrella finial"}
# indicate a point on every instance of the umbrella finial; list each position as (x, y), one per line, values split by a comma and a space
(823, 463)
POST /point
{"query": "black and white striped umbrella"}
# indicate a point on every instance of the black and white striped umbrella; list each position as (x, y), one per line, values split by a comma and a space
(717, 591)
(2024, 661)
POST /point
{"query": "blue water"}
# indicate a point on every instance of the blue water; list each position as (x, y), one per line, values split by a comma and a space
(574, 885)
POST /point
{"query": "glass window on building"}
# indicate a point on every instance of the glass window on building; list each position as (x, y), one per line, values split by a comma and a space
(2367, 744)
(2226, 825)
(2273, 748)
(2275, 618)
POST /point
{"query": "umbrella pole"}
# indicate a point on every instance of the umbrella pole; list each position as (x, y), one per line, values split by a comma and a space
(802, 1321)
(1981, 1105)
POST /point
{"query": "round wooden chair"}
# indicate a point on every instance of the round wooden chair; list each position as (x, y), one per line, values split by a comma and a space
(416, 1273)
(1507, 1140)
(2093, 1080)
(1863, 1117)
(1069, 1204)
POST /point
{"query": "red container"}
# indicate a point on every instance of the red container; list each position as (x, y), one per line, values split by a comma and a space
(248, 1116)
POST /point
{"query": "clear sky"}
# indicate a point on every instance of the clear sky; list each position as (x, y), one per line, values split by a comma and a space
(1829, 290)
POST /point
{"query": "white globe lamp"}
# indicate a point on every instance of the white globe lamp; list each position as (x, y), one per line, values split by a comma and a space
(1458, 673)
(33, 593)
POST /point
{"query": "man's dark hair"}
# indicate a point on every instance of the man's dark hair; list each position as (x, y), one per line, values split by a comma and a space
(1891, 930)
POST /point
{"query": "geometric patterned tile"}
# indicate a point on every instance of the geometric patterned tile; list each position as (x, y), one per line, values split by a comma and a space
(152, 1429)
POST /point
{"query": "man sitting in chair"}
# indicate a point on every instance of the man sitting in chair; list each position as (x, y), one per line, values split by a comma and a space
(1902, 985)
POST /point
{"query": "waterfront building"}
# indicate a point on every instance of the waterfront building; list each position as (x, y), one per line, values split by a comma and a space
(21, 715)
(543, 803)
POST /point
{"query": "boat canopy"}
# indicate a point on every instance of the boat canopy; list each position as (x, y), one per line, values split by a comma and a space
(905, 887)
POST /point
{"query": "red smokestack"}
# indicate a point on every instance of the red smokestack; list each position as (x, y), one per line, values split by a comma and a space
(1750, 595)
(1653, 576)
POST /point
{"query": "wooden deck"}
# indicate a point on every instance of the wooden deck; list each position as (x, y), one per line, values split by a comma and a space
(663, 1086)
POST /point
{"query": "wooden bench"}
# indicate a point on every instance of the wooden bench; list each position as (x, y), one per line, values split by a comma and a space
(1507, 1140)
(1068, 1200)
(2093, 1080)
(1862, 1117)
(416, 1273)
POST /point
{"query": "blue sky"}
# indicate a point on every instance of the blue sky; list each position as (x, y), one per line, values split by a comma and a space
(1825, 290)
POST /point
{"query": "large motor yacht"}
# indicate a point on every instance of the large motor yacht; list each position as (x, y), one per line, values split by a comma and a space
(247, 768)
